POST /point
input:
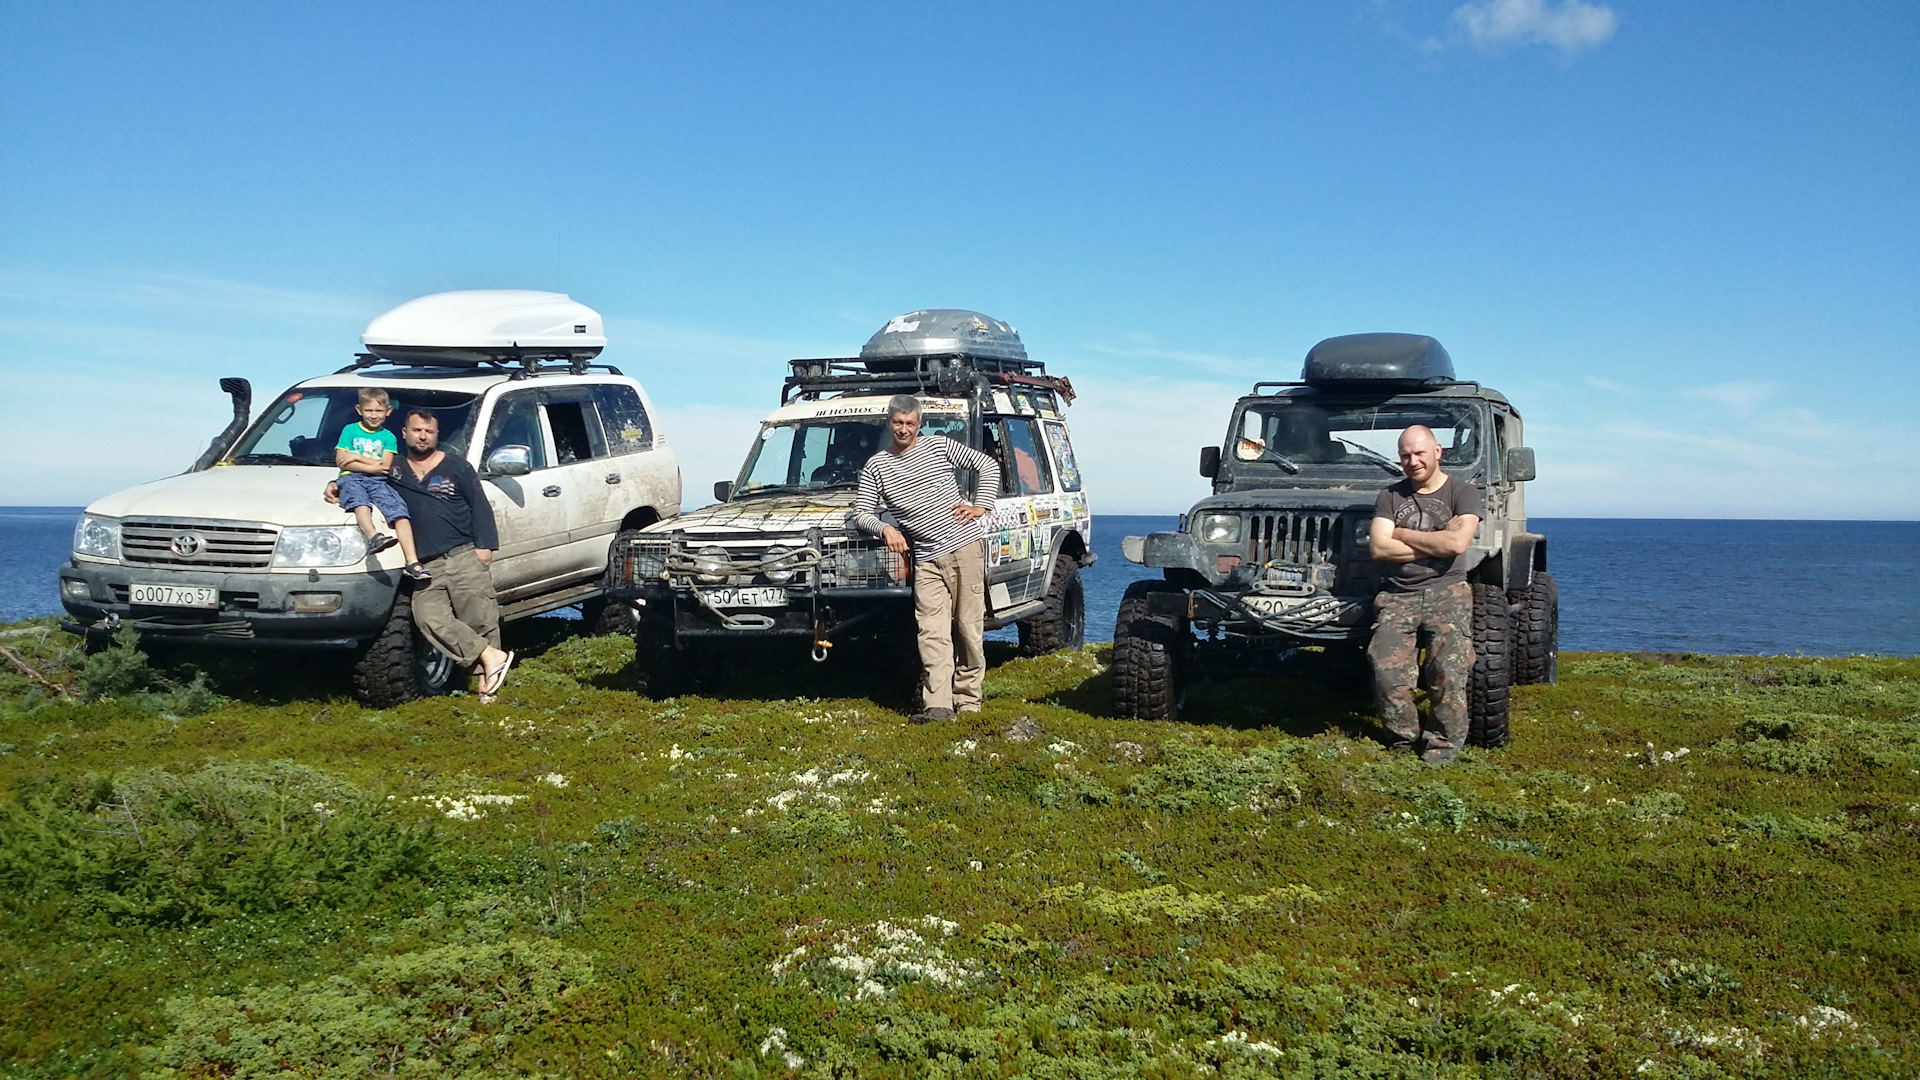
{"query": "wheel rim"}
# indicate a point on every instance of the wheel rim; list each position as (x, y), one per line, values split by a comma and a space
(435, 667)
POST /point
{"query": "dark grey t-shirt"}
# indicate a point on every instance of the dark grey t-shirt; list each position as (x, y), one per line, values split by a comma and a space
(1427, 513)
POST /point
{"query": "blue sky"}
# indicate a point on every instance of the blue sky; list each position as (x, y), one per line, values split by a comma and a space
(1682, 237)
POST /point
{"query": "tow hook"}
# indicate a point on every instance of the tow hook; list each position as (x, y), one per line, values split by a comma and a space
(820, 642)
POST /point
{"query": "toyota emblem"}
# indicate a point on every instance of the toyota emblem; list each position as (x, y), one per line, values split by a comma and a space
(187, 545)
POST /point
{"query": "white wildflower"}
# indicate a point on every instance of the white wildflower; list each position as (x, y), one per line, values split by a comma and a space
(323, 809)
(677, 754)
(964, 747)
(777, 1040)
(1239, 1040)
(554, 779)
(1062, 746)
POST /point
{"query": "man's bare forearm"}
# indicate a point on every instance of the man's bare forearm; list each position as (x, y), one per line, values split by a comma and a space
(1440, 544)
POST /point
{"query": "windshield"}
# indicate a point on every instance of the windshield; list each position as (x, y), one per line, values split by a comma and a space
(824, 454)
(303, 427)
(1302, 432)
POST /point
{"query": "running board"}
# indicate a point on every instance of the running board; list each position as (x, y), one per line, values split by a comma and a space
(545, 602)
(1014, 615)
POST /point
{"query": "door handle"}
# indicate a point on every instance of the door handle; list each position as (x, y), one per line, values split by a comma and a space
(613, 478)
(550, 490)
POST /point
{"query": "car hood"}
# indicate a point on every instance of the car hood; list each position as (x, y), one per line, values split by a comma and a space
(275, 494)
(771, 516)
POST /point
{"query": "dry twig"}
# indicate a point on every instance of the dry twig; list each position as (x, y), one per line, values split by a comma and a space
(33, 674)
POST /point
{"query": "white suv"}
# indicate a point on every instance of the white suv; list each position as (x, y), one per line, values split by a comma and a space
(242, 550)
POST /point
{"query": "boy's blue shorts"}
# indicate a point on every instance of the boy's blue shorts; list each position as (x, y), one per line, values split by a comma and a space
(359, 489)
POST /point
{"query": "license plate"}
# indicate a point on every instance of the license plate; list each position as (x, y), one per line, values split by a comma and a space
(200, 596)
(748, 596)
(1273, 605)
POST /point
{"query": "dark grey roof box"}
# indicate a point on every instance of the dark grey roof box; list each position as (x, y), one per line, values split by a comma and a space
(941, 332)
(1384, 361)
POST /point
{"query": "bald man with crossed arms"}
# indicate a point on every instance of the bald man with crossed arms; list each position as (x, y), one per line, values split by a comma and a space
(1422, 528)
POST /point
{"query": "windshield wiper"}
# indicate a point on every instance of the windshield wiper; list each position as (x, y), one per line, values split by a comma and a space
(1279, 459)
(772, 489)
(1374, 456)
(271, 459)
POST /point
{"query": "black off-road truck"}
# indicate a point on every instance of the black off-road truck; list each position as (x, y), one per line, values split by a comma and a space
(1276, 558)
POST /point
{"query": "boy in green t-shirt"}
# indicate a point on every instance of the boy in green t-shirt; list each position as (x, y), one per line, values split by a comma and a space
(365, 456)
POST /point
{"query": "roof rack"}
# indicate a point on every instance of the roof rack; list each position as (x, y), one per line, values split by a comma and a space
(940, 373)
(516, 367)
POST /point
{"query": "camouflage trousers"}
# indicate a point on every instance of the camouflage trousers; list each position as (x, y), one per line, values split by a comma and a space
(1439, 619)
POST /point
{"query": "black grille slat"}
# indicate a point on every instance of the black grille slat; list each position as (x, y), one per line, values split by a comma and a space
(231, 547)
(1295, 538)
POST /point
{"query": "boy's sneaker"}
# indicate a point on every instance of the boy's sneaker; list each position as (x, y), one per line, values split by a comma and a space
(380, 543)
(417, 572)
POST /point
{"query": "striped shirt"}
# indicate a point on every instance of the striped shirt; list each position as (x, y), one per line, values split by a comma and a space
(918, 486)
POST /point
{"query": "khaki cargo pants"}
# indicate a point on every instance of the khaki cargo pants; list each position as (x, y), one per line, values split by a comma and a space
(456, 611)
(949, 606)
(1441, 619)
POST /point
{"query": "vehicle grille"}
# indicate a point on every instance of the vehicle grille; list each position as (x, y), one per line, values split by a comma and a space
(222, 545)
(1295, 538)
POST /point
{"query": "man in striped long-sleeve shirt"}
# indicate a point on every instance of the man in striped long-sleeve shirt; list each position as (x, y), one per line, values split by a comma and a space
(914, 479)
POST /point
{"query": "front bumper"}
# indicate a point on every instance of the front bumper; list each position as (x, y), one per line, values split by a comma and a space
(1304, 615)
(257, 609)
(810, 616)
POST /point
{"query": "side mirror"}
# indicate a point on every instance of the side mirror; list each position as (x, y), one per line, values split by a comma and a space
(1209, 461)
(509, 461)
(723, 490)
(1518, 464)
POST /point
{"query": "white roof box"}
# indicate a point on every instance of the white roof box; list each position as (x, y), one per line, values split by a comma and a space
(479, 325)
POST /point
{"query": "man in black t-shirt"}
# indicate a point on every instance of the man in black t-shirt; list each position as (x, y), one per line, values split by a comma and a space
(455, 535)
(1422, 528)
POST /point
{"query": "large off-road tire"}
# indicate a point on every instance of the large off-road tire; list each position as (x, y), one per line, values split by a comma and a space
(1149, 652)
(398, 665)
(1492, 655)
(608, 615)
(1536, 631)
(664, 670)
(1063, 624)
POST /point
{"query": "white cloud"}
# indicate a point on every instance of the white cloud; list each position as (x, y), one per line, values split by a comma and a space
(1568, 26)
(711, 441)
(1610, 387)
(1740, 397)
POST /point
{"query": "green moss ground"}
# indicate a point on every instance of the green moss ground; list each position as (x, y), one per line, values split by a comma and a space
(1683, 866)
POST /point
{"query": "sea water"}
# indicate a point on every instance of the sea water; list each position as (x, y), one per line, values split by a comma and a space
(1821, 588)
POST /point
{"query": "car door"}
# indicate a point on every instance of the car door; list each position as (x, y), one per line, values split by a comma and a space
(527, 507)
(639, 471)
(1017, 541)
(585, 473)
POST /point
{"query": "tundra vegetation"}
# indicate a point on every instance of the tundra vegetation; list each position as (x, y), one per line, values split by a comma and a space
(1684, 866)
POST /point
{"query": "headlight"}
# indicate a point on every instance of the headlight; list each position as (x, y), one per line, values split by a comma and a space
(97, 536)
(321, 545)
(777, 567)
(711, 565)
(1219, 528)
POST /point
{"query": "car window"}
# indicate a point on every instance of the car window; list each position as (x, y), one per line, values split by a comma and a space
(516, 422)
(623, 419)
(1023, 466)
(576, 431)
(1063, 455)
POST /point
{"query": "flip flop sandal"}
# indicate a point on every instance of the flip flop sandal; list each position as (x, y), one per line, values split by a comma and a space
(418, 572)
(490, 681)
